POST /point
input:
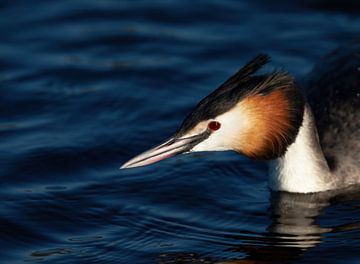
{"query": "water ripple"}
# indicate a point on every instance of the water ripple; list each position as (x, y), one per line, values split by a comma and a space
(85, 85)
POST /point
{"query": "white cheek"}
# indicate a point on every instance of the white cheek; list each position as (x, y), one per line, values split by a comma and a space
(219, 140)
(213, 143)
(233, 123)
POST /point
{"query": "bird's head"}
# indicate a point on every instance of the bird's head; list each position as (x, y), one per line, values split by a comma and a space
(258, 116)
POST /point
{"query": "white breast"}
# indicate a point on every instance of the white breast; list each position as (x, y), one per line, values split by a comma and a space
(303, 168)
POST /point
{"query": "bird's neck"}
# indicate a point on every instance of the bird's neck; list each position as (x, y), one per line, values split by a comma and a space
(303, 167)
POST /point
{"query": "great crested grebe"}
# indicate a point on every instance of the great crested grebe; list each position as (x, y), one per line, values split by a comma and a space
(266, 117)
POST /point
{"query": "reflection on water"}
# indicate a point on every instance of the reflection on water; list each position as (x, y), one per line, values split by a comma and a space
(293, 230)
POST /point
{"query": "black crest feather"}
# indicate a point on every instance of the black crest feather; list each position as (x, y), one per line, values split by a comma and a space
(242, 84)
(245, 72)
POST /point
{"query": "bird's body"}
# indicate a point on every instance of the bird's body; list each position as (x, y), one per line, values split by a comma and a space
(326, 153)
(333, 91)
(267, 117)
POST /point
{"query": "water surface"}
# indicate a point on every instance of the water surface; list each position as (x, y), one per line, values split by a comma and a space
(85, 85)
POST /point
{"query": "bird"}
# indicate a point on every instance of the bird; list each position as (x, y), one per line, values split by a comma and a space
(310, 138)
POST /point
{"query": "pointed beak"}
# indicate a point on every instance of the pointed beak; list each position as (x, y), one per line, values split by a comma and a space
(170, 148)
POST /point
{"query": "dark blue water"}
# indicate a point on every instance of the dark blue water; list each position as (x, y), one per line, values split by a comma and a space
(86, 85)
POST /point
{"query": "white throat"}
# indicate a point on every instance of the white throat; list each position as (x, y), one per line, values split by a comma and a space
(303, 167)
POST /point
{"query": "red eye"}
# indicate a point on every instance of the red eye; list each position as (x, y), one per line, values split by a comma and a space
(214, 125)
